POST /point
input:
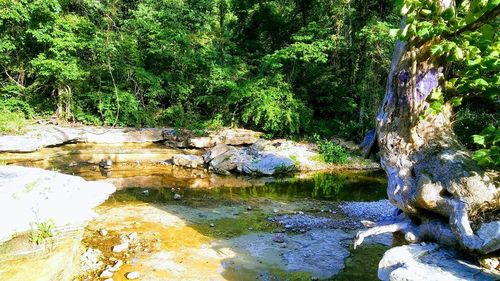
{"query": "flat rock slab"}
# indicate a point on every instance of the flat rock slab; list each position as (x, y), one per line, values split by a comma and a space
(319, 252)
(430, 262)
(29, 196)
(40, 136)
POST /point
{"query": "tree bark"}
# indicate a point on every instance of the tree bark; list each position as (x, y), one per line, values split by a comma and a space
(431, 176)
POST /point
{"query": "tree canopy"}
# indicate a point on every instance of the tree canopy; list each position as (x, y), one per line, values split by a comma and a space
(286, 67)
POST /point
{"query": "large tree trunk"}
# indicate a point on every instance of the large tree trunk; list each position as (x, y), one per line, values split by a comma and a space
(432, 178)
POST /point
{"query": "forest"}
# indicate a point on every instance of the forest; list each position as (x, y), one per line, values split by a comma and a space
(285, 67)
(249, 139)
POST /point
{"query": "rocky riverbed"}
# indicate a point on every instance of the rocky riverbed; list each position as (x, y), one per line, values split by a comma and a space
(220, 207)
(227, 151)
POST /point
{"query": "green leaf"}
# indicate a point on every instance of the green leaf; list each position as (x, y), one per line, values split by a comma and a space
(393, 32)
(479, 139)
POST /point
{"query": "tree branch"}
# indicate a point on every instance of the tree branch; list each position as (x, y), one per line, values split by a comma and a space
(486, 17)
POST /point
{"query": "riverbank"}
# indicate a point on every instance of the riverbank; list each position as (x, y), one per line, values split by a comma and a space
(227, 151)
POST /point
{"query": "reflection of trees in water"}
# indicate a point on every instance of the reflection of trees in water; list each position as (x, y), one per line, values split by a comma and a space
(328, 185)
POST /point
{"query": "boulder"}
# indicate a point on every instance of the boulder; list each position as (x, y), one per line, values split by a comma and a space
(224, 159)
(238, 137)
(188, 161)
(201, 142)
(269, 164)
(430, 262)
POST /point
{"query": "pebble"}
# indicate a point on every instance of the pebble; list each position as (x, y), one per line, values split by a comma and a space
(106, 274)
(249, 208)
(103, 232)
(177, 196)
(275, 210)
(133, 275)
(133, 236)
(121, 247)
(489, 263)
(279, 238)
(116, 266)
(212, 225)
(145, 192)
(300, 213)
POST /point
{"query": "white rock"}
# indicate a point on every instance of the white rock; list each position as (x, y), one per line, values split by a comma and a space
(116, 266)
(429, 262)
(103, 232)
(133, 236)
(177, 196)
(133, 275)
(120, 247)
(36, 195)
(106, 274)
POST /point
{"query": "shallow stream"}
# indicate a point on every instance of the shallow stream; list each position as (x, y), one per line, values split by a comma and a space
(194, 225)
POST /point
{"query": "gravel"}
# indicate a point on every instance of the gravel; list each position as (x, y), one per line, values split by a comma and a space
(374, 211)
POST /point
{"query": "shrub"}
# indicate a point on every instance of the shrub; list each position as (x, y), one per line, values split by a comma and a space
(332, 153)
(12, 122)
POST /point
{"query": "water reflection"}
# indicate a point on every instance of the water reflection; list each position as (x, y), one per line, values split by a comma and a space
(345, 186)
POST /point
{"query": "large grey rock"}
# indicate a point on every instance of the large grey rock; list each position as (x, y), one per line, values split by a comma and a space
(40, 136)
(426, 262)
(225, 159)
(201, 142)
(32, 196)
(269, 164)
(237, 137)
(490, 233)
(189, 161)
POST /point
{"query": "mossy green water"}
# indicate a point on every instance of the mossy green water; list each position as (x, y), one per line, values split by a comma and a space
(254, 221)
(362, 264)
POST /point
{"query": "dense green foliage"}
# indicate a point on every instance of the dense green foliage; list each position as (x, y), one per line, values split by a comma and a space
(284, 67)
(465, 38)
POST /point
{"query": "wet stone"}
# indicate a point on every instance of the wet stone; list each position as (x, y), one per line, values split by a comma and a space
(120, 247)
(133, 275)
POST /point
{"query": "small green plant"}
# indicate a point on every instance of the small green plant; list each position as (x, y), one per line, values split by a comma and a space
(331, 152)
(42, 231)
(489, 154)
(295, 160)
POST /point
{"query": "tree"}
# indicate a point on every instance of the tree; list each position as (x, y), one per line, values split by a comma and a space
(433, 180)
